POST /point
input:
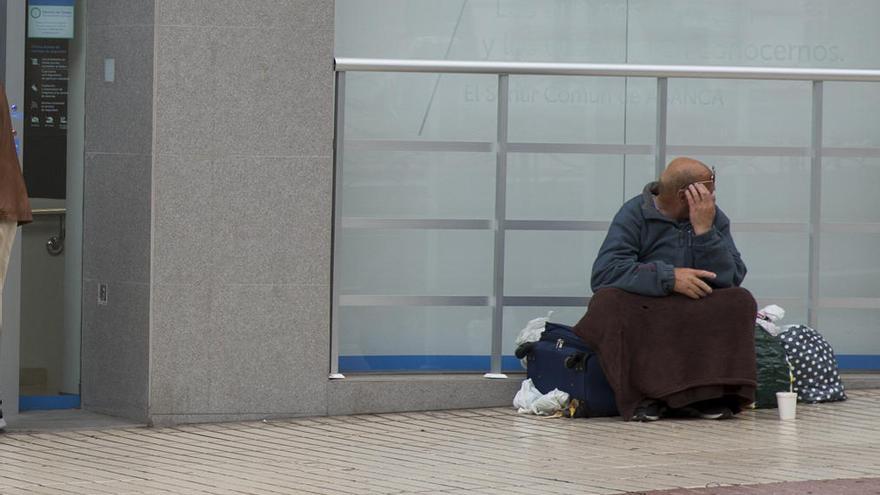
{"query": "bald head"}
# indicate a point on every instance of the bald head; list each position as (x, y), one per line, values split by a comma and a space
(680, 173)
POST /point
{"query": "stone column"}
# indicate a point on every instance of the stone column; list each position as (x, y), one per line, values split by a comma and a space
(242, 182)
(117, 206)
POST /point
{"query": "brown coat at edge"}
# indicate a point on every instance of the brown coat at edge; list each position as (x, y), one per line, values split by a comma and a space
(14, 203)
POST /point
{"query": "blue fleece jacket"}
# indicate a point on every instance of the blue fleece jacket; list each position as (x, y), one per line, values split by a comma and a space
(643, 247)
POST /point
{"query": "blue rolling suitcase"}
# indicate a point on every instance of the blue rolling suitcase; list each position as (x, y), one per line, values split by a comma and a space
(562, 360)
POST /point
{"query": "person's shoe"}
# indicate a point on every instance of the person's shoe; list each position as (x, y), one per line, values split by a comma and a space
(649, 410)
(719, 412)
(2, 421)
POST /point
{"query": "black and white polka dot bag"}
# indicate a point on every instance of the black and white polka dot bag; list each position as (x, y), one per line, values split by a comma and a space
(812, 360)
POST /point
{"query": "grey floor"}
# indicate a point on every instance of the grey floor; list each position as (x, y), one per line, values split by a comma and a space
(64, 420)
(465, 452)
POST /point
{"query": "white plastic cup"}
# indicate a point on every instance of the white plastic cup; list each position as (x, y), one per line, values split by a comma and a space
(787, 403)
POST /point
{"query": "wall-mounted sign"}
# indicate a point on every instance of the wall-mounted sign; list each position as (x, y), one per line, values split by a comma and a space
(46, 75)
(45, 117)
(50, 19)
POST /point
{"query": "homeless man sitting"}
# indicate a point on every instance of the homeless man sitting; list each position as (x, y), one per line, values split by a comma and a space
(689, 353)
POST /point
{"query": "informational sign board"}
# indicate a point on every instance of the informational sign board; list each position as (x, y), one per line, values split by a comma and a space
(50, 19)
(45, 117)
(47, 76)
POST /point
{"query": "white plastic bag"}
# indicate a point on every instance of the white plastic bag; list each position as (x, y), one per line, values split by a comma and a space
(529, 400)
(549, 403)
(531, 333)
(526, 396)
(768, 316)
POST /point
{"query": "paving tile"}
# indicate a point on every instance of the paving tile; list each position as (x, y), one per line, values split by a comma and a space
(482, 451)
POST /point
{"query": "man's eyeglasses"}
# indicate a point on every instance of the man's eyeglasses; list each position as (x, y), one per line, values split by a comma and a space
(710, 183)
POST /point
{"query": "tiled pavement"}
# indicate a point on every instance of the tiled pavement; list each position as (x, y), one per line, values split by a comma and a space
(862, 486)
(485, 451)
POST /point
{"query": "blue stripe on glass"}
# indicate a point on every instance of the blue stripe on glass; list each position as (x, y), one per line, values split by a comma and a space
(411, 363)
(47, 402)
(858, 361)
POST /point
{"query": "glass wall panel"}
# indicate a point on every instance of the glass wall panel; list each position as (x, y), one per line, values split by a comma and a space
(548, 263)
(416, 262)
(414, 338)
(563, 186)
(738, 118)
(848, 265)
(850, 190)
(381, 181)
(638, 172)
(523, 30)
(852, 332)
(641, 110)
(782, 33)
(850, 114)
(420, 106)
(400, 184)
(567, 109)
(777, 263)
(762, 188)
(739, 113)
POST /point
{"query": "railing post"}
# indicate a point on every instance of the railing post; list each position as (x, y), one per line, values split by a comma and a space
(500, 216)
(338, 147)
(815, 203)
(660, 129)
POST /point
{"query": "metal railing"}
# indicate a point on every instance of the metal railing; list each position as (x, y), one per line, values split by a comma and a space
(502, 147)
(39, 212)
(344, 64)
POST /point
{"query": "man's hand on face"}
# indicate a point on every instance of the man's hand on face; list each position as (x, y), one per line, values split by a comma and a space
(689, 281)
(701, 204)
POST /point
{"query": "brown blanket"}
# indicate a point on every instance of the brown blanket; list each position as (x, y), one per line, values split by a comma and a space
(673, 348)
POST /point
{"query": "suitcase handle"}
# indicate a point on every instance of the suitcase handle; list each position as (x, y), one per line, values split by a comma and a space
(576, 361)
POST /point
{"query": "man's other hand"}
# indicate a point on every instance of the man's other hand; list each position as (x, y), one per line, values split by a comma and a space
(689, 281)
(701, 205)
